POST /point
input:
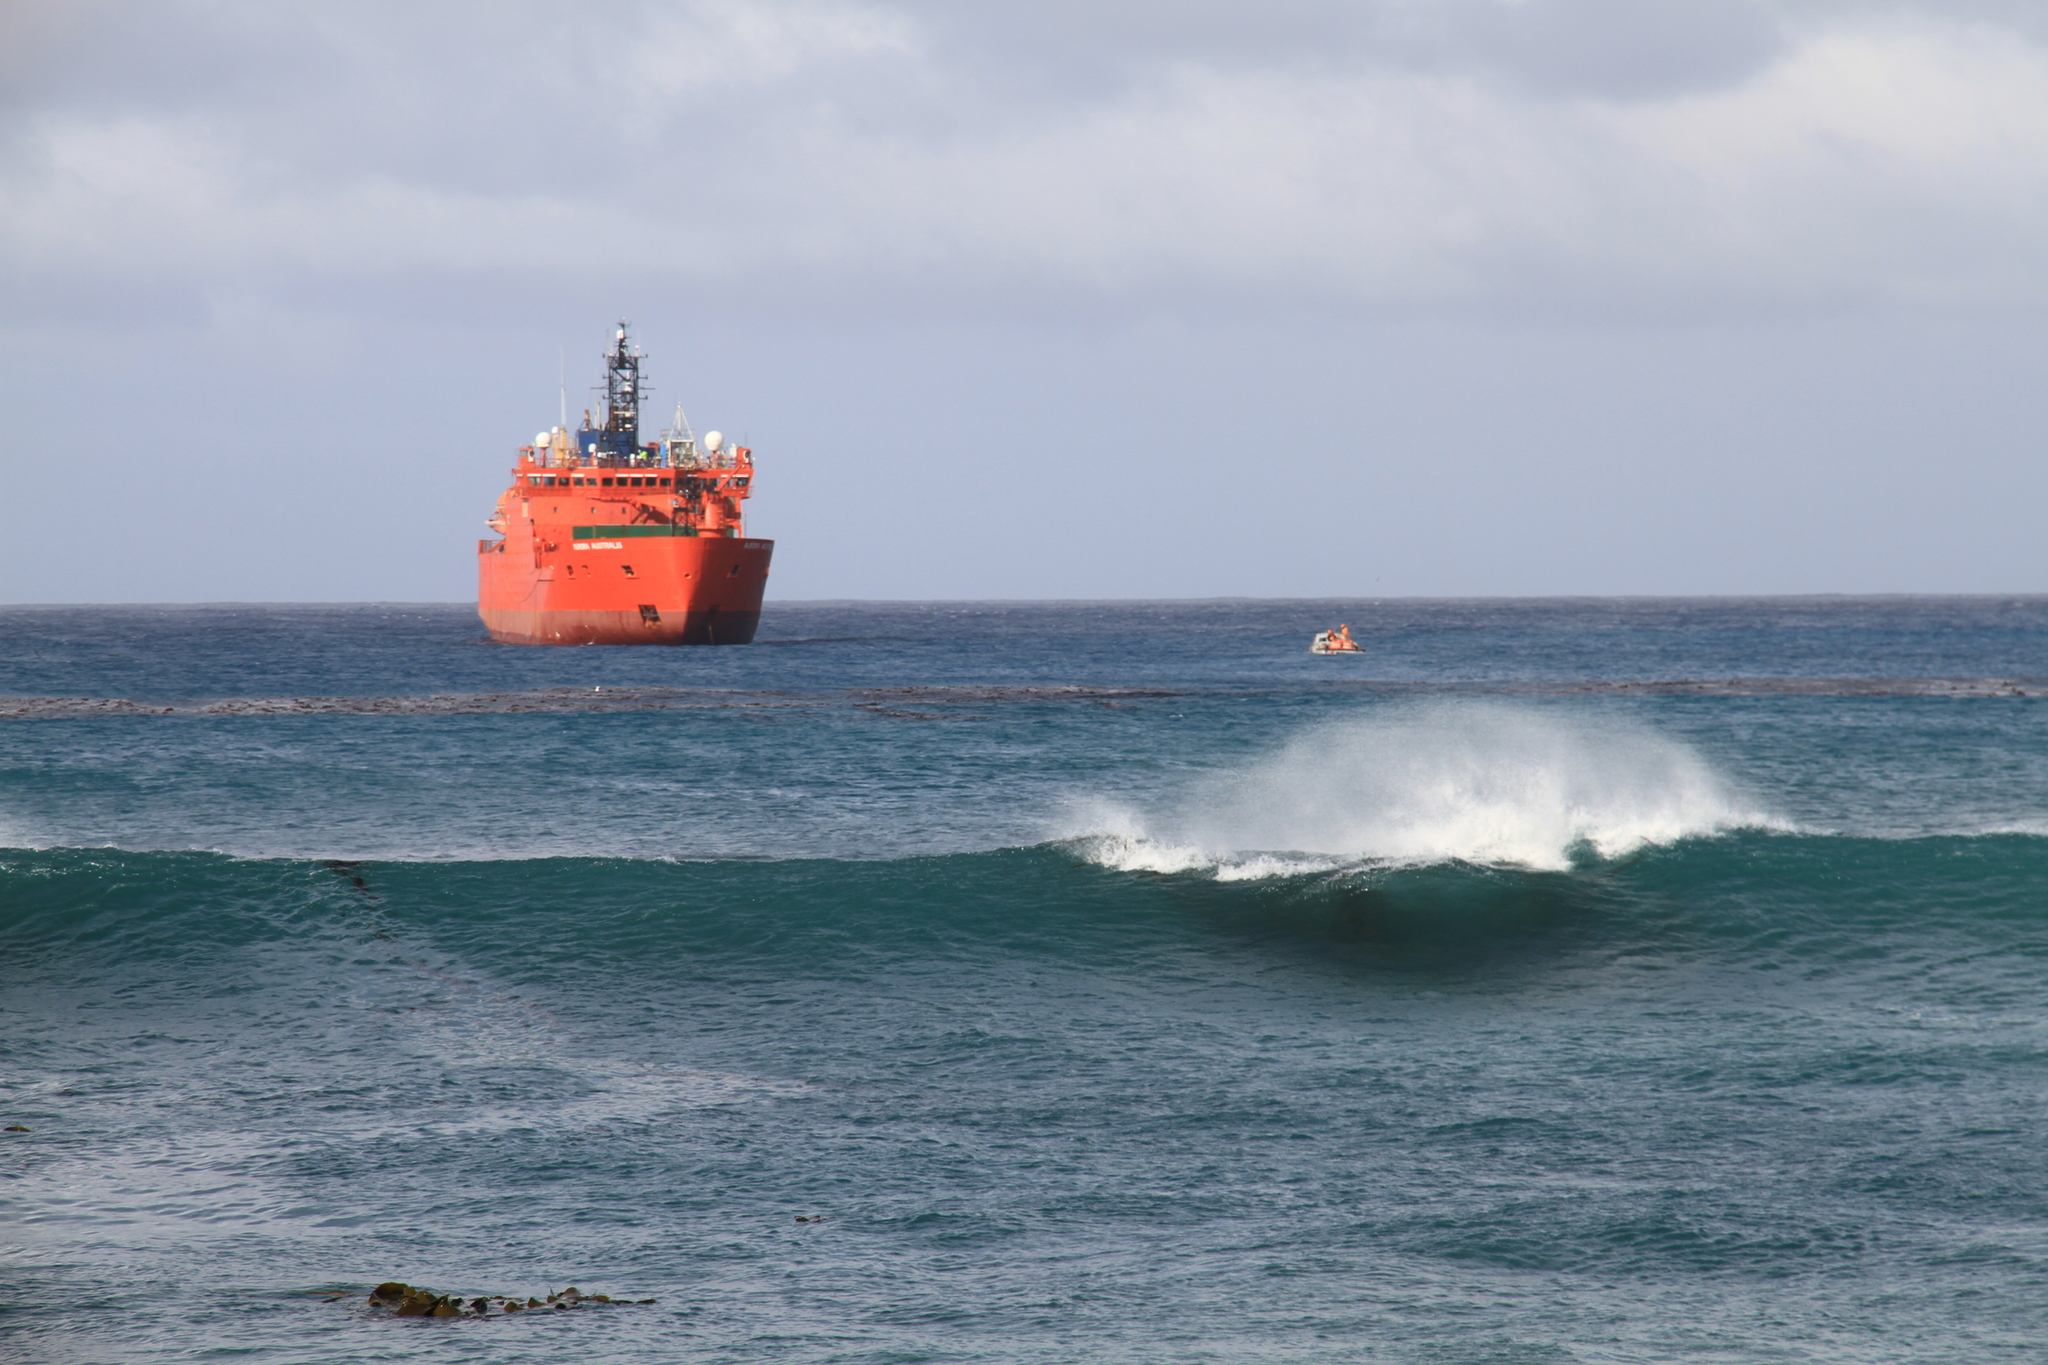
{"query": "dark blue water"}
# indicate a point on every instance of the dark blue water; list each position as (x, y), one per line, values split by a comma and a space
(1111, 982)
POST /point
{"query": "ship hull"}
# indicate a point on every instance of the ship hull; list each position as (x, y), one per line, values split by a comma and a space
(707, 627)
(615, 588)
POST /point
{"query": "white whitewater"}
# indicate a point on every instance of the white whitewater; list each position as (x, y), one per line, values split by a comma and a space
(1470, 781)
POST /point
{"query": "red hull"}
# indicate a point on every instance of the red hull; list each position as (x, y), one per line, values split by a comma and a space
(711, 627)
(658, 590)
(609, 542)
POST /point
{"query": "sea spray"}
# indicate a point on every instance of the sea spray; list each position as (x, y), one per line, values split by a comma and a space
(1476, 781)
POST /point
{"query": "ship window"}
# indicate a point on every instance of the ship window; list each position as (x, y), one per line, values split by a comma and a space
(607, 483)
(664, 483)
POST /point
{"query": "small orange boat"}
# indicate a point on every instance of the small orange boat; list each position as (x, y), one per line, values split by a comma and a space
(1336, 641)
(605, 541)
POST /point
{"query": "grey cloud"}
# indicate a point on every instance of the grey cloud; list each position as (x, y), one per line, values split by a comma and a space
(1613, 48)
(1462, 153)
(1610, 48)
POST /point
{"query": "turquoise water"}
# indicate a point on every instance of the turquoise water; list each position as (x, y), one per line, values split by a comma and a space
(1113, 982)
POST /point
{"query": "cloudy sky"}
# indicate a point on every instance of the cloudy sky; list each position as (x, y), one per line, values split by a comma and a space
(1059, 299)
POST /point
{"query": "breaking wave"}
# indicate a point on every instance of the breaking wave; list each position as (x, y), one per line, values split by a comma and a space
(1473, 782)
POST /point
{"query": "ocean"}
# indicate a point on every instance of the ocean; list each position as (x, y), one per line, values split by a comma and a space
(1557, 980)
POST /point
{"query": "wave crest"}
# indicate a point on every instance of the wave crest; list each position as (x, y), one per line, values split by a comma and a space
(1458, 781)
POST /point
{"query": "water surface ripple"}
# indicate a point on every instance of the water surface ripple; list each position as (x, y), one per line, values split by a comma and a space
(1591, 981)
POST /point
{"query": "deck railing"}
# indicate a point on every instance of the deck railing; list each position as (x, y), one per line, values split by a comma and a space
(545, 457)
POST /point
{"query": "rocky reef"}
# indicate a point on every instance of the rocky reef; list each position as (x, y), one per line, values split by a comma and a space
(412, 1301)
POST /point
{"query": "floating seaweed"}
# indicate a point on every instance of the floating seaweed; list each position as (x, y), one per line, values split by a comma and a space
(413, 1301)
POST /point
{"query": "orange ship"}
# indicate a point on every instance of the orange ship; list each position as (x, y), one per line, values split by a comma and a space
(605, 541)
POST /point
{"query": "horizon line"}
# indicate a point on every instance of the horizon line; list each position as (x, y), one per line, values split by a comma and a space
(1118, 601)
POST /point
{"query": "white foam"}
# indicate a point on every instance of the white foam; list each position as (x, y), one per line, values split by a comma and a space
(1479, 782)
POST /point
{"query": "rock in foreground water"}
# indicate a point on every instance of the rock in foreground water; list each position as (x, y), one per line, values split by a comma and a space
(412, 1301)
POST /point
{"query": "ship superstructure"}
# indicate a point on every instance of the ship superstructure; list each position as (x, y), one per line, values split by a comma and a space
(604, 540)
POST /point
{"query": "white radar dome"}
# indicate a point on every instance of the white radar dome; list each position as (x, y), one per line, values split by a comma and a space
(713, 440)
(545, 438)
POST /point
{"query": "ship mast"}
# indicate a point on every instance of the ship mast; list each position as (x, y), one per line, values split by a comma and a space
(622, 390)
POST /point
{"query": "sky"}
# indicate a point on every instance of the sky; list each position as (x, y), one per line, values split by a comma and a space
(1302, 298)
